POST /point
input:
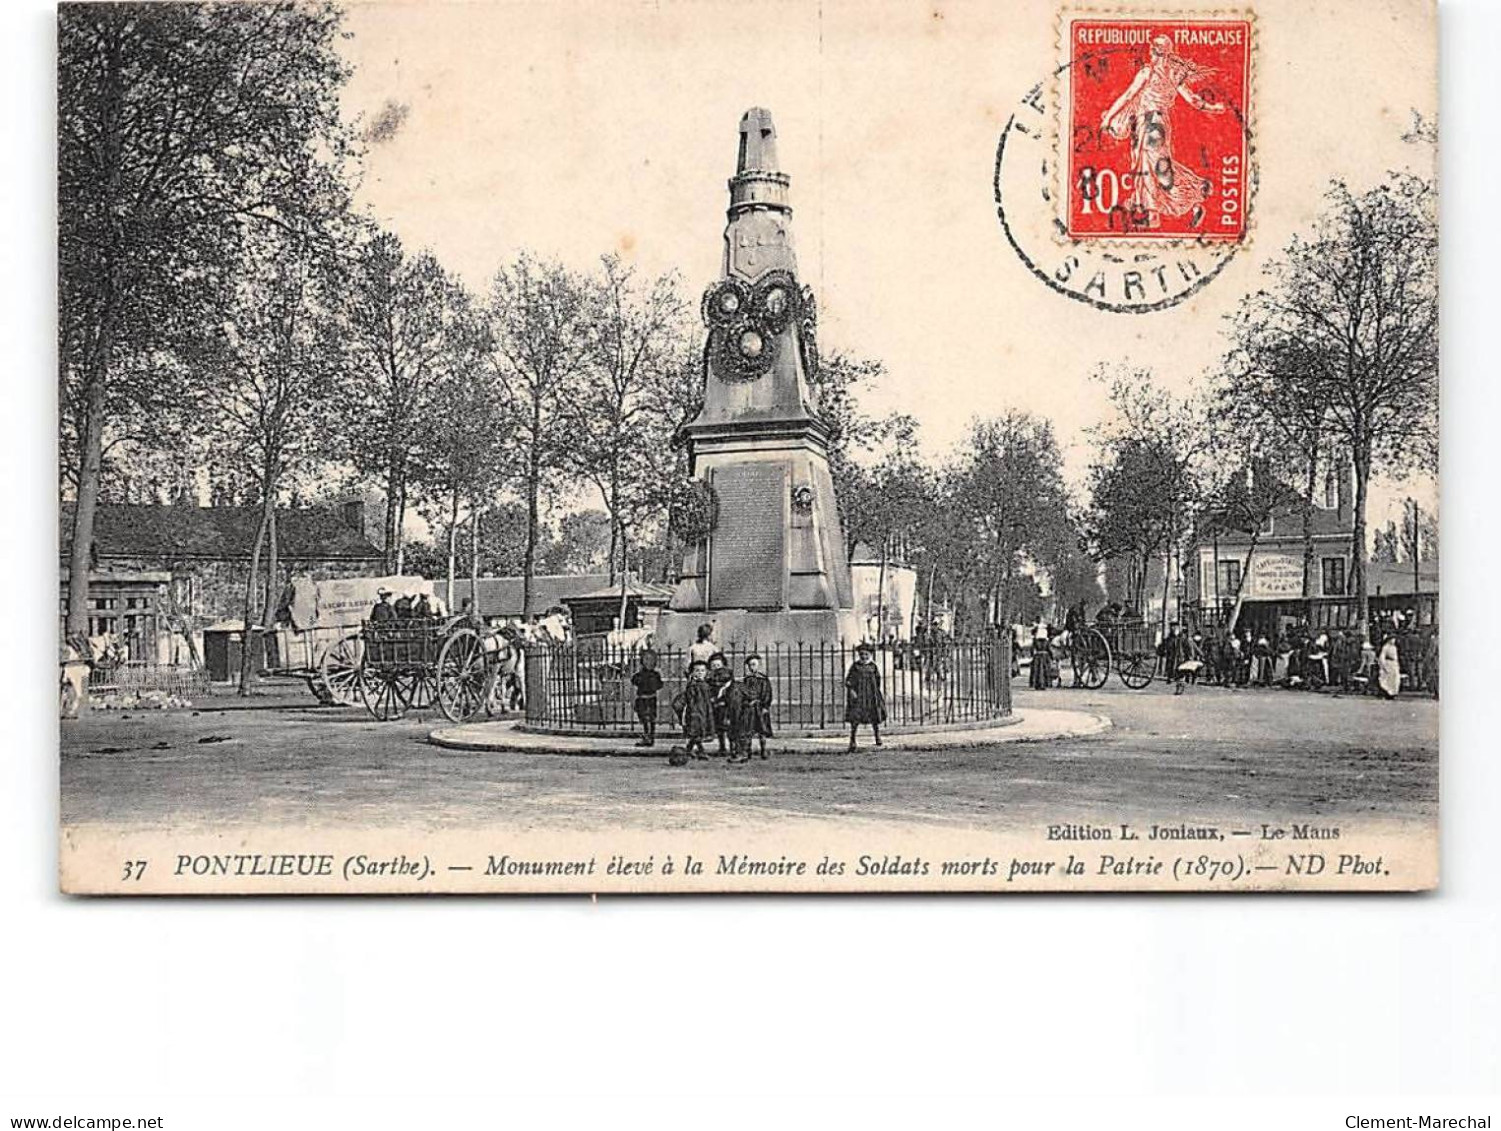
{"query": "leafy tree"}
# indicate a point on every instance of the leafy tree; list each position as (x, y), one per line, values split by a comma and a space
(627, 409)
(837, 384)
(410, 333)
(1359, 293)
(181, 127)
(273, 361)
(539, 322)
(1146, 481)
(1012, 492)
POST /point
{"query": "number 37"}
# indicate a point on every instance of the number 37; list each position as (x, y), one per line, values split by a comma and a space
(134, 870)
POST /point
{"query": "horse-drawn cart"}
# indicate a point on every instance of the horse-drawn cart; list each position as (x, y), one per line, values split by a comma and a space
(1127, 646)
(411, 664)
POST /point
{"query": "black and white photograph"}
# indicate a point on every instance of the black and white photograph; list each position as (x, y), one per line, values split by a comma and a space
(662, 469)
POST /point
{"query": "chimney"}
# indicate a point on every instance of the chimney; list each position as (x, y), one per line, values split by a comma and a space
(353, 513)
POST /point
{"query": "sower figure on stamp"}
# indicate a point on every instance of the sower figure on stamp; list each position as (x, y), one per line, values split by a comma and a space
(1160, 184)
(864, 701)
(759, 696)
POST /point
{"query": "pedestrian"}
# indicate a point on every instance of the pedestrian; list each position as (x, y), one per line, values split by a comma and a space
(1389, 667)
(1430, 663)
(740, 719)
(704, 648)
(864, 701)
(720, 679)
(647, 682)
(1179, 657)
(382, 613)
(1042, 657)
(759, 695)
(694, 708)
(422, 606)
(404, 607)
(1261, 654)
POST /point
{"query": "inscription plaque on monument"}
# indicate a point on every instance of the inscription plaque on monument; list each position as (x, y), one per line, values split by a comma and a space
(748, 547)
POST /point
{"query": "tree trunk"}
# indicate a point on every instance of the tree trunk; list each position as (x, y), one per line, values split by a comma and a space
(81, 554)
(248, 635)
(273, 591)
(529, 560)
(453, 545)
(1245, 576)
(474, 535)
(1309, 484)
(881, 594)
(1357, 542)
(392, 477)
(401, 520)
(625, 575)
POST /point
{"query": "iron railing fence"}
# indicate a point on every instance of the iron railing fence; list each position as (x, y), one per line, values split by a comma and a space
(588, 689)
(138, 675)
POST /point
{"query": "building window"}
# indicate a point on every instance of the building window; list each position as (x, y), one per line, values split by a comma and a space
(1229, 578)
(1334, 577)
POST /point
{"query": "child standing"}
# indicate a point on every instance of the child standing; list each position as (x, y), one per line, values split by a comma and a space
(648, 682)
(720, 679)
(758, 697)
(864, 701)
(695, 711)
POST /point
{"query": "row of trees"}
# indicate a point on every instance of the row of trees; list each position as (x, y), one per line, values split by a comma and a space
(1331, 370)
(224, 306)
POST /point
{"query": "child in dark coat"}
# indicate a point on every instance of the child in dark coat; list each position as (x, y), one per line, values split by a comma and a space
(695, 711)
(758, 695)
(720, 679)
(648, 682)
(864, 701)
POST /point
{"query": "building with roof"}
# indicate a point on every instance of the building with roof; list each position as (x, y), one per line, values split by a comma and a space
(162, 572)
(592, 600)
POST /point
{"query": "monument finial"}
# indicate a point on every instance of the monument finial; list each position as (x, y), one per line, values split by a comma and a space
(758, 143)
(758, 183)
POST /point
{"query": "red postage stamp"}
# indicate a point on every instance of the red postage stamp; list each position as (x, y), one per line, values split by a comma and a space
(1156, 129)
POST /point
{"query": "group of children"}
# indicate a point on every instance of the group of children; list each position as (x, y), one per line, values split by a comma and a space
(737, 712)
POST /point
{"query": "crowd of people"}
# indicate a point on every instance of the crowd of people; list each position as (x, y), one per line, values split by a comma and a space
(1397, 656)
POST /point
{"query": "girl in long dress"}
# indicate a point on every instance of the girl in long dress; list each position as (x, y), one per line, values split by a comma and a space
(1389, 669)
(864, 700)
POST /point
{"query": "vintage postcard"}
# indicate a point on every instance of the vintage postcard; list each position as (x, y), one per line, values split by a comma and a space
(709, 446)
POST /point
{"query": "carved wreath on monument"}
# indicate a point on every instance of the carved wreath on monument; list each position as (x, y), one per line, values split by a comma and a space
(695, 510)
(745, 321)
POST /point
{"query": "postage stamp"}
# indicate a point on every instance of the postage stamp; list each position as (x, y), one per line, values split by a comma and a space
(1156, 128)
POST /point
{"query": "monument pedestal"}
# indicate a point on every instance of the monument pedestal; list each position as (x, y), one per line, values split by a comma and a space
(773, 571)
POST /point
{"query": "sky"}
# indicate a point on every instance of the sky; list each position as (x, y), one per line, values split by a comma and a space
(578, 128)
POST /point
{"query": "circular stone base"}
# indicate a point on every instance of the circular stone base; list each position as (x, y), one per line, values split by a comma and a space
(1037, 724)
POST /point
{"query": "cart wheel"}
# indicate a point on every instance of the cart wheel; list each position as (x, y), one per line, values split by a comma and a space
(1136, 669)
(383, 694)
(420, 689)
(1091, 660)
(339, 671)
(463, 676)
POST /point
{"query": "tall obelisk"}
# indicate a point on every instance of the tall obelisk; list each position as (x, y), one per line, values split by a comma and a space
(774, 568)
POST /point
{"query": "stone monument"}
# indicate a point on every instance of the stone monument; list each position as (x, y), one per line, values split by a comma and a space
(773, 570)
